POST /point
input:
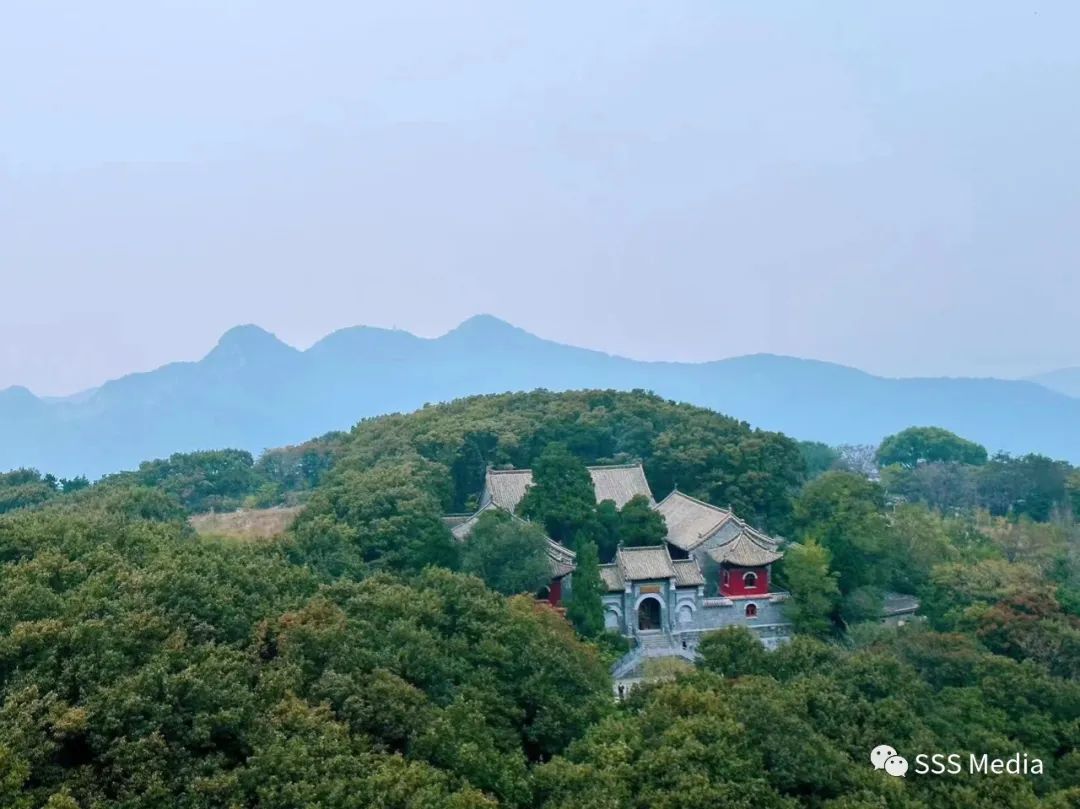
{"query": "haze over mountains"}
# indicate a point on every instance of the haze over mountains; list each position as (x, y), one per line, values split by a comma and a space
(1063, 380)
(253, 391)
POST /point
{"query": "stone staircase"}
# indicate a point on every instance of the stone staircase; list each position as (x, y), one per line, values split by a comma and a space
(654, 640)
(650, 645)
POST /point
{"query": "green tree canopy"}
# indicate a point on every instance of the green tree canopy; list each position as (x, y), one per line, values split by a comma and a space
(845, 513)
(806, 573)
(636, 524)
(385, 518)
(561, 497)
(640, 523)
(586, 609)
(732, 652)
(508, 554)
(818, 457)
(917, 445)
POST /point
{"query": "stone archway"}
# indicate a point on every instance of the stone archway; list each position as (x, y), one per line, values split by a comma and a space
(649, 614)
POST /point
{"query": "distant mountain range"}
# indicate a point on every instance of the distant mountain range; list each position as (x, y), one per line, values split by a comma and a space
(1063, 380)
(253, 391)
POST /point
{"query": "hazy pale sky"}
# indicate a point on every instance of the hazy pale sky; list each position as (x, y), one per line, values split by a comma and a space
(890, 186)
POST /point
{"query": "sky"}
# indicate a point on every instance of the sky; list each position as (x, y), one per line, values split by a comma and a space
(890, 186)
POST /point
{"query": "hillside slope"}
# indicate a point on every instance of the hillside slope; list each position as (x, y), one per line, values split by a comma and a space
(1063, 380)
(252, 392)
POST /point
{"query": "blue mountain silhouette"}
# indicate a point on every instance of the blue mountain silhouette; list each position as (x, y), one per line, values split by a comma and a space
(253, 391)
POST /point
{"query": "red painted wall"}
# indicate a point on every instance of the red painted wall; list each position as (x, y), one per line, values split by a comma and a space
(555, 592)
(731, 581)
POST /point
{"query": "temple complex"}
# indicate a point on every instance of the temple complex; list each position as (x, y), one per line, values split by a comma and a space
(714, 570)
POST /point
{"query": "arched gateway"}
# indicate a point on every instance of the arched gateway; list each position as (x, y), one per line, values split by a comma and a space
(649, 614)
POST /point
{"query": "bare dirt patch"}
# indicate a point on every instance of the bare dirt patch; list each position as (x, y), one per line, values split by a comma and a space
(246, 523)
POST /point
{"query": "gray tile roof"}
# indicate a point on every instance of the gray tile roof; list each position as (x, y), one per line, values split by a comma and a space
(620, 483)
(691, 521)
(651, 562)
(899, 604)
(687, 573)
(613, 580)
(506, 487)
(563, 560)
(747, 548)
(461, 529)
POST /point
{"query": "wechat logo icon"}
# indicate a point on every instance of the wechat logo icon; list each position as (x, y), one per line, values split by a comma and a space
(884, 757)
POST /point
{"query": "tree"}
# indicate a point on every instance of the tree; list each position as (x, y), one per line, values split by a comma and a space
(561, 496)
(1032, 485)
(814, 591)
(607, 530)
(387, 518)
(920, 540)
(510, 555)
(918, 445)
(818, 457)
(859, 459)
(640, 523)
(1040, 545)
(586, 607)
(947, 487)
(755, 472)
(75, 484)
(845, 513)
(22, 488)
(732, 652)
(636, 524)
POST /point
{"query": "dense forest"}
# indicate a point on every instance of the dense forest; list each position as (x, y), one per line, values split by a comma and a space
(364, 659)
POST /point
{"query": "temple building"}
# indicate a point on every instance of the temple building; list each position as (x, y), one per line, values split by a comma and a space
(505, 487)
(713, 571)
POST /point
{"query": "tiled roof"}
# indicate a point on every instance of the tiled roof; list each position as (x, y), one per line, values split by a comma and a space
(462, 528)
(561, 557)
(687, 573)
(899, 604)
(620, 483)
(506, 487)
(690, 521)
(651, 562)
(563, 560)
(746, 549)
(613, 580)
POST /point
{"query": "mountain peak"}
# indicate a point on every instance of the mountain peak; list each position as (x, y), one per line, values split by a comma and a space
(18, 393)
(249, 341)
(485, 321)
(249, 335)
(486, 326)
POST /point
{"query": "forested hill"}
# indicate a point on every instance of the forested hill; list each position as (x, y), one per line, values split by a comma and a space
(253, 391)
(365, 659)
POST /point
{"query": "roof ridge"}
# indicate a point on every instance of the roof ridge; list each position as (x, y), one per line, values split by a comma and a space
(749, 538)
(754, 532)
(717, 525)
(637, 465)
(698, 501)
